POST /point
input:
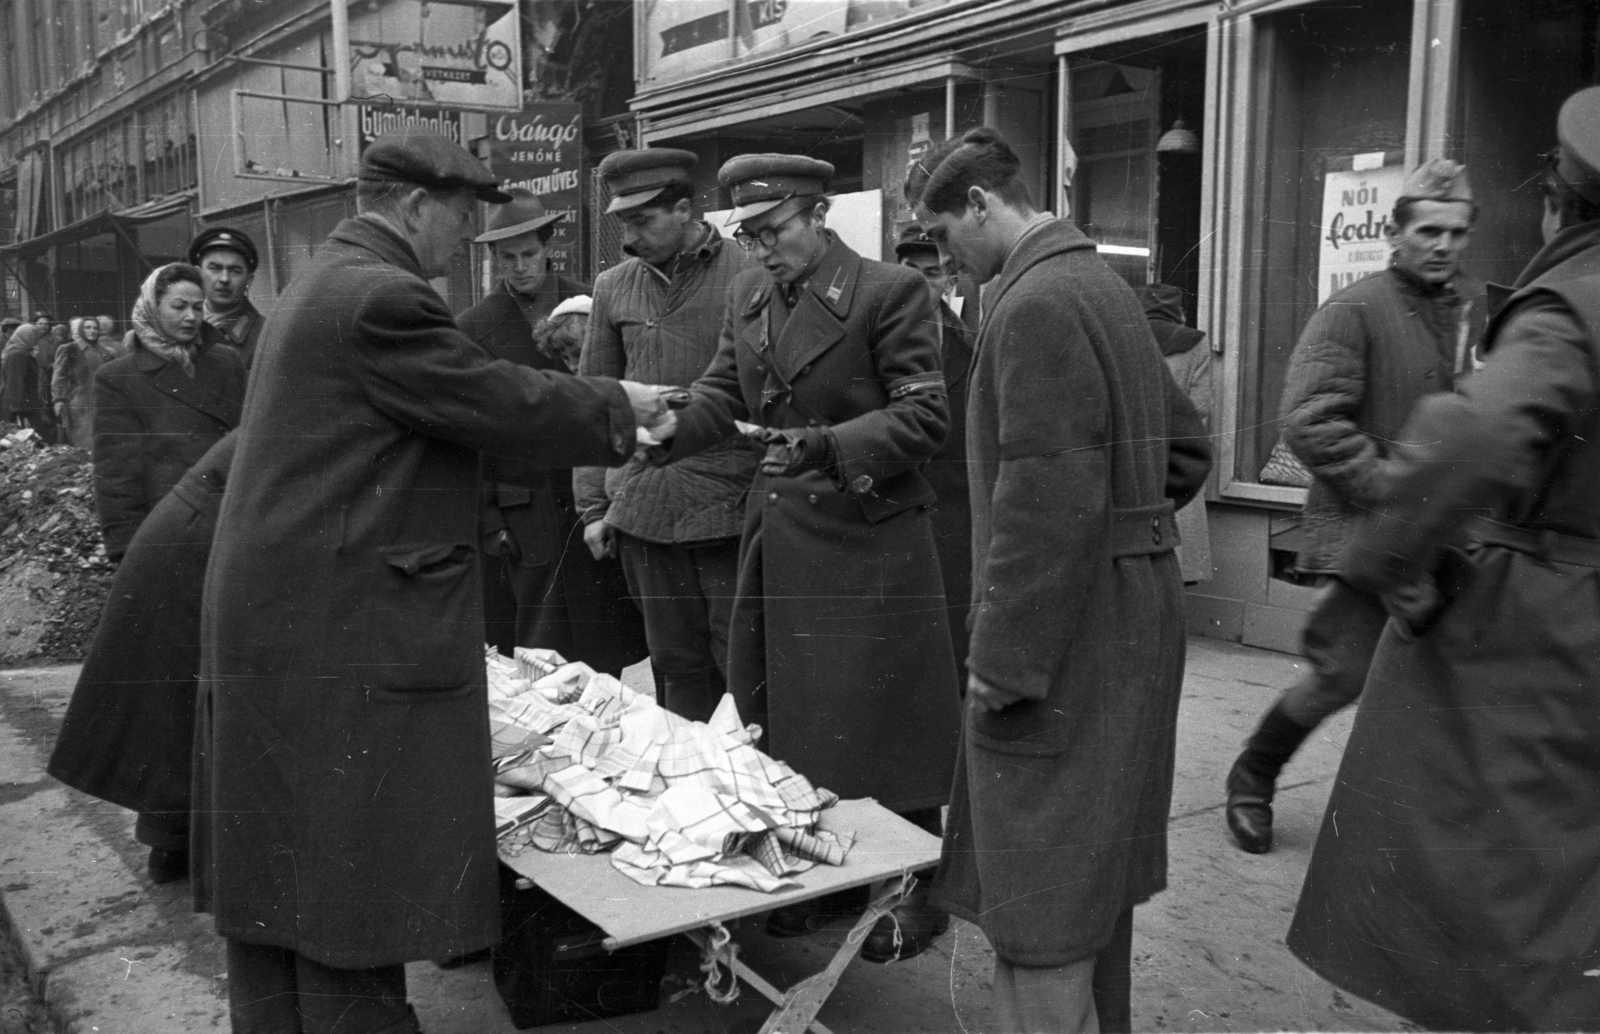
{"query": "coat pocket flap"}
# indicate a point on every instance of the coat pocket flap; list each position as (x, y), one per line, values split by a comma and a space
(418, 558)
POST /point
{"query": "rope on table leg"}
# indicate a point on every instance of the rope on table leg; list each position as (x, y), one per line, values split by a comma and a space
(720, 953)
(908, 880)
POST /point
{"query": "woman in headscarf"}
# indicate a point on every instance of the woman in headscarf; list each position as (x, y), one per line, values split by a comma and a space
(72, 382)
(19, 373)
(161, 406)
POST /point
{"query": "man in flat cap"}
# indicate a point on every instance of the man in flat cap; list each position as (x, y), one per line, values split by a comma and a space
(839, 648)
(1364, 359)
(1455, 876)
(655, 318)
(344, 814)
(227, 262)
(540, 586)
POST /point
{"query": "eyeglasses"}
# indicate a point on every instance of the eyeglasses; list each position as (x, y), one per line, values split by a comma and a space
(768, 235)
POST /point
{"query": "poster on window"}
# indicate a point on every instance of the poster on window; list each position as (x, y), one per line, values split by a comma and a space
(443, 53)
(1358, 193)
(541, 149)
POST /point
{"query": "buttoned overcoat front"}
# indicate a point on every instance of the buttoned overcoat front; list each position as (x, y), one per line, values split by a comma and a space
(839, 645)
(344, 800)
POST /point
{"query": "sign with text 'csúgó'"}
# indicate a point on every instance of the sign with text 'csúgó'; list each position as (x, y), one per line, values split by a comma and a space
(541, 149)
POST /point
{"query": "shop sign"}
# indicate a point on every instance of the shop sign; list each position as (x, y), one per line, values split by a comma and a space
(376, 122)
(541, 149)
(685, 36)
(444, 53)
(1358, 194)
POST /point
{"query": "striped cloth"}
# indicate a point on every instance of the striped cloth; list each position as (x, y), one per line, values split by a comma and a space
(594, 766)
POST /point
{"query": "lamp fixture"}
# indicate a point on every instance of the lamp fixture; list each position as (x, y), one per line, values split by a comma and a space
(1180, 139)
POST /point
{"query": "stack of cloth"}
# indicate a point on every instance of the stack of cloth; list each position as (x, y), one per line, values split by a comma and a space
(583, 764)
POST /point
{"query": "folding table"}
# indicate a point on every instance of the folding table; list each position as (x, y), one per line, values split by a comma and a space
(887, 850)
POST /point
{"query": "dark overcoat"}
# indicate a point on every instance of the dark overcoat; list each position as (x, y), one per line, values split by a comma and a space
(152, 422)
(1456, 880)
(129, 730)
(553, 594)
(344, 802)
(1058, 819)
(19, 374)
(947, 475)
(839, 646)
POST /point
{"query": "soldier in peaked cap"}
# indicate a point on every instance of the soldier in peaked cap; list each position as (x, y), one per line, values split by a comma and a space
(1364, 359)
(656, 318)
(1455, 876)
(344, 822)
(227, 261)
(840, 647)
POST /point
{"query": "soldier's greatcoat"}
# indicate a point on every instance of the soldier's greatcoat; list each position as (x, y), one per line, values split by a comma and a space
(839, 645)
(344, 799)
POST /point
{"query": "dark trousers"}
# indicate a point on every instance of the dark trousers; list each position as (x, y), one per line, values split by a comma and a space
(1113, 979)
(275, 991)
(1340, 637)
(163, 830)
(686, 593)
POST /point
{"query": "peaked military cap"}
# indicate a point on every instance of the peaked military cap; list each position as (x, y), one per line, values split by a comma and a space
(524, 213)
(219, 238)
(1578, 129)
(762, 182)
(635, 177)
(432, 161)
(1438, 179)
(914, 238)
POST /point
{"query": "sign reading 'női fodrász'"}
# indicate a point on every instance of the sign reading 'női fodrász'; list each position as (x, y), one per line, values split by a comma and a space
(541, 149)
(1358, 195)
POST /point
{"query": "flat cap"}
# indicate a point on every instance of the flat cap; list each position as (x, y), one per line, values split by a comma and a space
(914, 238)
(432, 161)
(1578, 129)
(1438, 179)
(524, 213)
(635, 177)
(223, 238)
(762, 182)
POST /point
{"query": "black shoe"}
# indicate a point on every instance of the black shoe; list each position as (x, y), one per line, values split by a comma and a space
(907, 931)
(1249, 808)
(809, 916)
(168, 866)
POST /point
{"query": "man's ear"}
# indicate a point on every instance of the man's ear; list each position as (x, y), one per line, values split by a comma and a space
(683, 209)
(410, 206)
(978, 202)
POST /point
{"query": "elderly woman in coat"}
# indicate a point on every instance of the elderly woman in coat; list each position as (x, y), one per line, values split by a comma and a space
(129, 730)
(161, 406)
(72, 383)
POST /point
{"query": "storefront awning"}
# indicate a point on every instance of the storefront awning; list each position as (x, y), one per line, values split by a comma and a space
(107, 221)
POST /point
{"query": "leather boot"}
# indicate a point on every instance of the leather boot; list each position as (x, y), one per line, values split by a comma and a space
(167, 866)
(908, 930)
(1253, 780)
(813, 914)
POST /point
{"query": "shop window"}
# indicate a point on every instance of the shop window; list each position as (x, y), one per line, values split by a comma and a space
(299, 228)
(1331, 84)
(1517, 64)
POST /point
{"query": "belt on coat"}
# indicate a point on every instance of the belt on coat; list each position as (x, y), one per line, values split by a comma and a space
(1143, 530)
(1550, 546)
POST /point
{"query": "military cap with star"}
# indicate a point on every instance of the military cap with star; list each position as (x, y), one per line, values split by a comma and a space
(432, 161)
(223, 238)
(1438, 179)
(638, 176)
(912, 239)
(762, 182)
(1578, 129)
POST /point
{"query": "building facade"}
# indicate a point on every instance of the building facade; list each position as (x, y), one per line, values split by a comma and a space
(1246, 151)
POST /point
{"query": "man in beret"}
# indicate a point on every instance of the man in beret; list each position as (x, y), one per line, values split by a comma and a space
(541, 588)
(344, 819)
(227, 262)
(656, 318)
(1364, 359)
(1455, 876)
(839, 646)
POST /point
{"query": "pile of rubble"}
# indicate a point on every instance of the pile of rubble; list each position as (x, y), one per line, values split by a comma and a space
(54, 575)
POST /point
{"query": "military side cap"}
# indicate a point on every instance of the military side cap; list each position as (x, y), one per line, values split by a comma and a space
(635, 177)
(1578, 129)
(762, 182)
(432, 161)
(223, 238)
(524, 213)
(1438, 179)
(914, 238)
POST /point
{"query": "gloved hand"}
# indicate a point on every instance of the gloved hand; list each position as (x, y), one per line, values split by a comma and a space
(795, 450)
(1415, 606)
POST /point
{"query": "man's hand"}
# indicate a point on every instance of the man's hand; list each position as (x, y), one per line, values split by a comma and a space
(1415, 605)
(650, 410)
(988, 696)
(601, 538)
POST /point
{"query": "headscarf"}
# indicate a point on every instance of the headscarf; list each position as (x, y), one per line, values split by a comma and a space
(77, 330)
(147, 326)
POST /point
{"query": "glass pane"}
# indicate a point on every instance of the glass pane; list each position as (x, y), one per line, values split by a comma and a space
(1333, 79)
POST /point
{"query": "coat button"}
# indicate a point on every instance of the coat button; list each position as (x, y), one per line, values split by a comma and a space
(862, 484)
(772, 497)
(761, 368)
(812, 499)
(1155, 530)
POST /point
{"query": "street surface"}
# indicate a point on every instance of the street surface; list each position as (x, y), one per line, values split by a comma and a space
(116, 954)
